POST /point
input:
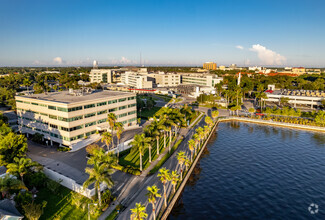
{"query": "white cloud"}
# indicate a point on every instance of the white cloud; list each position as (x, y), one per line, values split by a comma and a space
(240, 47)
(58, 60)
(267, 56)
(123, 60)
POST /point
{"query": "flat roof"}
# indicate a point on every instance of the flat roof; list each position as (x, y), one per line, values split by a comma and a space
(65, 97)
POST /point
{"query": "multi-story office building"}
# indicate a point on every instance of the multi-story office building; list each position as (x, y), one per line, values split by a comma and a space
(100, 75)
(210, 66)
(68, 117)
(200, 79)
(167, 79)
(136, 80)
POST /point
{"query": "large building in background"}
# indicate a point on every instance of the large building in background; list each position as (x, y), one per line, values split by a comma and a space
(68, 117)
(167, 79)
(200, 79)
(101, 76)
(209, 66)
(136, 80)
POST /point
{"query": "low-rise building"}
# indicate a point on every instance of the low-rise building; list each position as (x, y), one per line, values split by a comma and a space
(68, 117)
(136, 80)
(200, 79)
(167, 79)
(298, 70)
(209, 66)
(100, 76)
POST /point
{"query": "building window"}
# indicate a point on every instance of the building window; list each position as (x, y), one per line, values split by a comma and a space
(132, 105)
(53, 117)
(131, 98)
(42, 105)
(90, 115)
(101, 121)
(51, 107)
(131, 113)
(76, 128)
(90, 124)
(112, 101)
(70, 119)
(122, 107)
(19, 101)
(101, 103)
(75, 109)
(112, 110)
(62, 109)
(122, 115)
(91, 132)
(89, 106)
(132, 119)
(101, 112)
(122, 100)
(33, 103)
(53, 126)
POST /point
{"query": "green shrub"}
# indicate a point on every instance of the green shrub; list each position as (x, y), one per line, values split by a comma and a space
(37, 179)
(63, 149)
(24, 198)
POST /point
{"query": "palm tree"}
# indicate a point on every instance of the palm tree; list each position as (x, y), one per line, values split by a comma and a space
(251, 110)
(156, 127)
(98, 174)
(168, 124)
(107, 138)
(119, 131)
(206, 130)
(208, 121)
(152, 198)
(21, 166)
(164, 178)
(187, 162)
(8, 183)
(141, 142)
(187, 111)
(181, 158)
(214, 114)
(196, 139)
(111, 118)
(174, 177)
(139, 212)
(191, 147)
(200, 133)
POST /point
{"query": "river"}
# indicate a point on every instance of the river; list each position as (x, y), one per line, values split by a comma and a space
(251, 171)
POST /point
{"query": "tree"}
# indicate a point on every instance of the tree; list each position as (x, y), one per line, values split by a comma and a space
(200, 133)
(139, 212)
(107, 138)
(119, 130)
(9, 183)
(187, 162)
(164, 178)
(174, 177)
(284, 101)
(140, 143)
(320, 118)
(111, 118)
(187, 111)
(208, 121)
(27, 83)
(181, 158)
(214, 114)
(251, 110)
(34, 211)
(100, 172)
(191, 147)
(21, 166)
(11, 146)
(152, 198)
(156, 127)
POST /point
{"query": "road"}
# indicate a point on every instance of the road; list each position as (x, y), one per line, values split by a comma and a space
(138, 186)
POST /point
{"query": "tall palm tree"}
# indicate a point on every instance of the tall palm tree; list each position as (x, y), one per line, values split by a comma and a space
(99, 174)
(174, 177)
(107, 138)
(152, 198)
(206, 130)
(164, 178)
(119, 131)
(156, 127)
(21, 166)
(214, 114)
(196, 139)
(177, 117)
(111, 118)
(168, 127)
(187, 111)
(181, 158)
(8, 183)
(140, 143)
(200, 132)
(139, 212)
(191, 147)
(208, 121)
(187, 162)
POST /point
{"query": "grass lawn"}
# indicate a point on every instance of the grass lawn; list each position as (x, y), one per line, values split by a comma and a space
(133, 158)
(59, 205)
(149, 113)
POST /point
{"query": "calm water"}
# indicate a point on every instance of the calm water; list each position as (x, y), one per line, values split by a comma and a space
(251, 171)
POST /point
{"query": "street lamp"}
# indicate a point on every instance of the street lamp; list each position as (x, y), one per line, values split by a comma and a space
(88, 209)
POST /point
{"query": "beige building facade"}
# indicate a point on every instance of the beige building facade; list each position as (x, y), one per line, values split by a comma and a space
(167, 80)
(136, 80)
(200, 79)
(100, 75)
(67, 118)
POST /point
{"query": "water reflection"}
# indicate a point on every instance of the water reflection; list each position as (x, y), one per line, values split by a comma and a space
(319, 139)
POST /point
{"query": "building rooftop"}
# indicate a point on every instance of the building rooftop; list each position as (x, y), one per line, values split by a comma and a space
(67, 97)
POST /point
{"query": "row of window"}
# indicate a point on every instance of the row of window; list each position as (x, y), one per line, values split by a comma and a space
(76, 118)
(79, 107)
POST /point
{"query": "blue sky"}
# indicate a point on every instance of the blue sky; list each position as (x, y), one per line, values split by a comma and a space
(73, 33)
